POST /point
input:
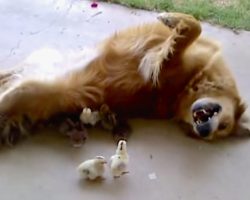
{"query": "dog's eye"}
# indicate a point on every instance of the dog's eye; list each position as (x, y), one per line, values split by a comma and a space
(222, 126)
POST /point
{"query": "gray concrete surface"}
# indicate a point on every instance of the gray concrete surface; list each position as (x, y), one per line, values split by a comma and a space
(43, 166)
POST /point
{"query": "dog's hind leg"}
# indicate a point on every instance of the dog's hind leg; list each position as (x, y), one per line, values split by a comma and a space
(35, 101)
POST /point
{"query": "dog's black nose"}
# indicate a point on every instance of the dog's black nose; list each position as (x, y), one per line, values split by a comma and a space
(204, 129)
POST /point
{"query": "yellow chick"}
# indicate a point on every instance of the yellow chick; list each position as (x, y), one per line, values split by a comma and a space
(93, 168)
(89, 117)
(119, 161)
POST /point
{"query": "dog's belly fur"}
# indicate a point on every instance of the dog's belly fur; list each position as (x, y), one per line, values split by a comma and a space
(131, 105)
(146, 102)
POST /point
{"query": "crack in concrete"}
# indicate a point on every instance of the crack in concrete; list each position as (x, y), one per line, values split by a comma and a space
(17, 46)
(69, 8)
(54, 21)
(12, 51)
(92, 16)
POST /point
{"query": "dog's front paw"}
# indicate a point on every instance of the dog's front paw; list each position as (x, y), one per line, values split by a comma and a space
(108, 118)
(115, 123)
(122, 130)
(89, 117)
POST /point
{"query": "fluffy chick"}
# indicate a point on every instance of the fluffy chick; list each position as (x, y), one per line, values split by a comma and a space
(89, 117)
(119, 161)
(93, 169)
(75, 130)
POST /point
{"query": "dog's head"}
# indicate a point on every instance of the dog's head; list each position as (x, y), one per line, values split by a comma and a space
(216, 117)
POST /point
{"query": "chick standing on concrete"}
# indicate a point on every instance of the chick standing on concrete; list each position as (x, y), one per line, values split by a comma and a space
(75, 130)
(119, 161)
(93, 169)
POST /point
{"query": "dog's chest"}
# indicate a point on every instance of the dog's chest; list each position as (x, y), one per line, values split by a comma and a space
(144, 103)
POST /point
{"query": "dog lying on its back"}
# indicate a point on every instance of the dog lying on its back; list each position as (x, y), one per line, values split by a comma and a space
(158, 70)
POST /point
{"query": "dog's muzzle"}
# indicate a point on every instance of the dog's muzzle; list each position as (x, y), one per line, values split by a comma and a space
(204, 113)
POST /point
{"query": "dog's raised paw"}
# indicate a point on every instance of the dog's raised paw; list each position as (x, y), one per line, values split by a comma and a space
(169, 19)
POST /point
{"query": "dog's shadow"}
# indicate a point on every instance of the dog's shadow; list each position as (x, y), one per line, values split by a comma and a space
(52, 141)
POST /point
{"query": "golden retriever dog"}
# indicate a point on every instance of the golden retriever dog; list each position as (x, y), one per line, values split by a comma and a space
(163, 69)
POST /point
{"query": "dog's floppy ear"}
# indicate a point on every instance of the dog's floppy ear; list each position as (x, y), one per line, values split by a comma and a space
(243, 121)
(240, 110)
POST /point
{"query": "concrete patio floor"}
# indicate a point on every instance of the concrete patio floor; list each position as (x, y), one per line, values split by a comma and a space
(43, 166)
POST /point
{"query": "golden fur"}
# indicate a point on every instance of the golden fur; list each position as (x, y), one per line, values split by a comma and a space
(155, 70)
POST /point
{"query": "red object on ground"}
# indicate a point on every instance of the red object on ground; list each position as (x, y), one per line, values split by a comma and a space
(94, 4)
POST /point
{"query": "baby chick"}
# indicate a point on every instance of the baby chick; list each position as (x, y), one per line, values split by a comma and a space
(92, 169)
(119, 161)
(89, 117)
(75, 130)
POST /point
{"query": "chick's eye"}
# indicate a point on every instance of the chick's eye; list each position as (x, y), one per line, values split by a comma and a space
(222, 126)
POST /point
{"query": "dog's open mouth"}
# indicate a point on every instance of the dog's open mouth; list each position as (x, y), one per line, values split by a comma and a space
(204, 113)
